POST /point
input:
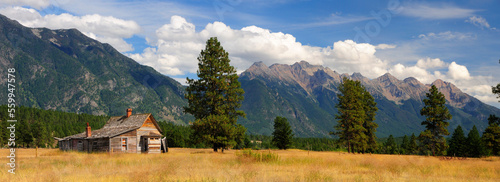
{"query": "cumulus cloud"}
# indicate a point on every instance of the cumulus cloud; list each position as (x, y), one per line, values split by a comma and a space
(106, 29)
(434, 11)
(458, 72)
(431, 63)
(480, 22)
(38, 4)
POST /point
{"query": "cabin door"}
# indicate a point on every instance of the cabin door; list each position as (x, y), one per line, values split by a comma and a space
(144, 146)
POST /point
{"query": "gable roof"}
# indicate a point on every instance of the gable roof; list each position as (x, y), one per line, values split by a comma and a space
(117, 125)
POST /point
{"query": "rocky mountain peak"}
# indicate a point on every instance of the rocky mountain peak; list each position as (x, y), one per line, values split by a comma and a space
(413, 81)
(453, 94)
(387, 79)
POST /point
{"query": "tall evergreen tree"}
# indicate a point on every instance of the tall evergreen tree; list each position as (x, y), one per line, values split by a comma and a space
(370, 108)
(404, 145)
(491, 135)
(475, 146)
(436, 112)
(215, 97)
(412, 146)
(282, 135)
(457, 143)
(351, 116)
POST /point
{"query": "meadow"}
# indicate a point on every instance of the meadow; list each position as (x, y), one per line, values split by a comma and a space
(234, 165)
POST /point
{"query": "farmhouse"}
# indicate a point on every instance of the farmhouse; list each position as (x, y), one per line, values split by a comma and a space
(138, 133)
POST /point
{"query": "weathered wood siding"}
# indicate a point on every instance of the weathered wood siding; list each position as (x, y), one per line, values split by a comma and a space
(148, 128)
(154, 146)
(116, 143)
(99, 145)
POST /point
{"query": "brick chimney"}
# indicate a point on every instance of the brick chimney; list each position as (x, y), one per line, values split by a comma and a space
(88, 131)
(129, 112)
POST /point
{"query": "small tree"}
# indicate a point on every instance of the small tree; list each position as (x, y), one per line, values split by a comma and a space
(457, 143)
(282, 135)
(404, 145)
(390, 145)
(475, 146)
(491, 135)
(214, 98)
(412, 146)
(435, 123)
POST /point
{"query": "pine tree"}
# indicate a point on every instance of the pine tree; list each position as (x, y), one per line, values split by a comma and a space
(475, 146)
(491, 135)
(215, 97)
(436, 112)
(404, 145)
(351, 116)
(282, 135)
(370, 108)
(412, 146)
(457, 143)
(390, 145)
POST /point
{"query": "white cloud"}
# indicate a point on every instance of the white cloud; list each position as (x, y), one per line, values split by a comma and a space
(106, 29)
(38, 4)
(448, 35)
(385, 46)
(434, 11)
(431, 63)
(458, 72)
(480, 22)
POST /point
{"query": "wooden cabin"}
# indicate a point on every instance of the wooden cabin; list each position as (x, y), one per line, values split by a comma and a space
(132, 133)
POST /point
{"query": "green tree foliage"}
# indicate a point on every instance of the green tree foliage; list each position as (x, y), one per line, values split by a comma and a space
(282, 134)
(491, 135)
(214, 98)
(390, 145)
(496, 90)
(404, 145)
(370, 108)
(356, 112)
(436, 112)
(38, 127)
(475, 146)
(457, 143)
(412, 146)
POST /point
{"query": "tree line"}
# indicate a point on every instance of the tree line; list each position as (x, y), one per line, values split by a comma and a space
(37, 127)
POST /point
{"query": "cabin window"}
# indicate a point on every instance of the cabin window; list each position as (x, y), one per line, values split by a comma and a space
(124, 144)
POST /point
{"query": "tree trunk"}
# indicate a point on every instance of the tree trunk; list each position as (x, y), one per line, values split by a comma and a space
(349, 146)
(215, 149)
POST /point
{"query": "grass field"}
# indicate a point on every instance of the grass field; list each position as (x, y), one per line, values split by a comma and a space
(204, 165)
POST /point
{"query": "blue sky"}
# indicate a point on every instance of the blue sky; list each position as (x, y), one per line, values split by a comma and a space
(457, 41)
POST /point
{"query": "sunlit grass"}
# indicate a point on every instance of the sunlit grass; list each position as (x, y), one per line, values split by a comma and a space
(234, 165)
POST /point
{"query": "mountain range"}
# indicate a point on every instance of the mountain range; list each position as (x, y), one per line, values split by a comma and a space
(306, 94)
(68, 71)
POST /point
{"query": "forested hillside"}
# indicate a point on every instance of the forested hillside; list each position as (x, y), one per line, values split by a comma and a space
(38, 127)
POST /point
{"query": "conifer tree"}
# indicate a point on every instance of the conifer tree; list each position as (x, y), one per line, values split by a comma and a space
(457, 143)
(412, 146)
(475, 146)
(390, 145)
(214, 98)
(436, 112)
(370, 108)
(351, 116)
(356, 114)
(491, 135)
(404, 145)
(282, 135)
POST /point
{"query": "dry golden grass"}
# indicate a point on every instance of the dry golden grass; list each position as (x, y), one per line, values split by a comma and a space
(204, 165)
